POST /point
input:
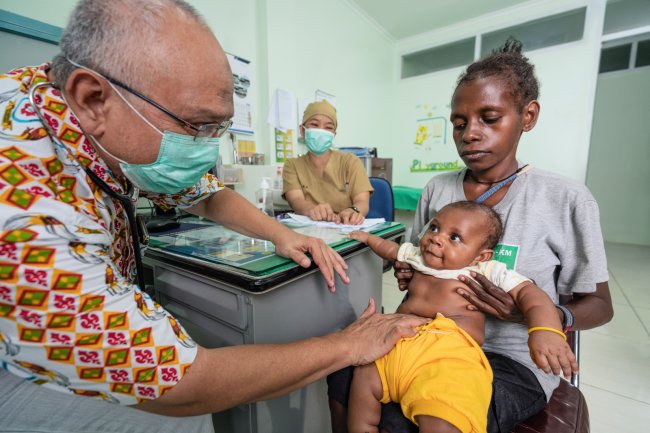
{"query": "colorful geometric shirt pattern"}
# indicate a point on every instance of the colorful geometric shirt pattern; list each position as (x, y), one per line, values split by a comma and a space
(71, 317)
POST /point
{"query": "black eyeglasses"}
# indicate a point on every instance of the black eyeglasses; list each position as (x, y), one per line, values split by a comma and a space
(203, 132)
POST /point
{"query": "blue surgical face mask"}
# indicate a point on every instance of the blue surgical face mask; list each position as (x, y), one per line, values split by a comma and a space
(180, 164)
(318, 141)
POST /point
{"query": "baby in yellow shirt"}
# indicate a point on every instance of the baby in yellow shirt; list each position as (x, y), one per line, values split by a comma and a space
(441, 377)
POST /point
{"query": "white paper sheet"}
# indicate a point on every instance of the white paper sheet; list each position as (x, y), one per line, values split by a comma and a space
(305, 220)
(282, 113)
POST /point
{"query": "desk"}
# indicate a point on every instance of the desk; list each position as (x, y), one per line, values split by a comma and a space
(262, 299)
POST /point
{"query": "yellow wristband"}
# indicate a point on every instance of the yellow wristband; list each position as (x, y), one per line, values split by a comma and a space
(545, 328)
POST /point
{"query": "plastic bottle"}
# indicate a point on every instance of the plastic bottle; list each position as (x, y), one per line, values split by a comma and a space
(218, 169)
(264, 197)
(277, 183)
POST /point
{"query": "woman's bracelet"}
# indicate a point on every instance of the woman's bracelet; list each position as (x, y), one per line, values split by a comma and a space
(567, 322)
(546, 328)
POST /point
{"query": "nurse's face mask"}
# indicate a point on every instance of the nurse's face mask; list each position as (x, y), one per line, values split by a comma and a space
(318, 141)
(182, 159)
(320, 131)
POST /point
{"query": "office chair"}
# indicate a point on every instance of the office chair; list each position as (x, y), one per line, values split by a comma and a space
(566, 411)
(382, 203)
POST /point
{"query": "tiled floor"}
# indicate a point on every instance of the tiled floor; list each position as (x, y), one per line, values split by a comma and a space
(615, 358)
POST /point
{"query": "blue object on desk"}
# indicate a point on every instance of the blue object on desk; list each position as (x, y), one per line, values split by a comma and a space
(361, 152)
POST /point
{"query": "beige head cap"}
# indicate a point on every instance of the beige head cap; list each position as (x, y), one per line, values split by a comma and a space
(320, 107)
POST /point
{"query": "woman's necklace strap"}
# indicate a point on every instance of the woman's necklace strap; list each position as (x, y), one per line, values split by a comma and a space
(501, 183)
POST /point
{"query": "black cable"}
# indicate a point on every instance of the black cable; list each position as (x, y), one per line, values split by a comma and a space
(125, 201)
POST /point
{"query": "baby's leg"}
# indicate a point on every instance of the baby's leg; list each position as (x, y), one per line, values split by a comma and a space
(431, 424)
(364, 407)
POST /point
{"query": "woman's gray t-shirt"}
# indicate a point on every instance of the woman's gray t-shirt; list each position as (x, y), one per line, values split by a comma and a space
(551, 235)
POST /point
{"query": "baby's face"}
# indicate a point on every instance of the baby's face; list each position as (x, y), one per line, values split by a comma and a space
(454, 239)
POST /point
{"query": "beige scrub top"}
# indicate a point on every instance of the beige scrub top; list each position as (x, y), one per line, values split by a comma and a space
(344, 177)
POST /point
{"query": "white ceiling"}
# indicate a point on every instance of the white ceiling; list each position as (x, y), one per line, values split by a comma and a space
(404, 18)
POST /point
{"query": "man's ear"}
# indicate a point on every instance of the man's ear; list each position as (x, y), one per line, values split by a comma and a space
(484, 256)
(530, 115)
(87, 94)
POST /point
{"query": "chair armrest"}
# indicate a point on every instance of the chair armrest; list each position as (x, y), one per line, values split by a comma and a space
(566, 412)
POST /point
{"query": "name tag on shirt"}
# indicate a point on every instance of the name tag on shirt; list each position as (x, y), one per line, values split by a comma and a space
(506, 254)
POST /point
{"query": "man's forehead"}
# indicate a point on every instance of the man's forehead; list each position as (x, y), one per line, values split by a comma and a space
(199, 89)
(210, 108)
(217, 111)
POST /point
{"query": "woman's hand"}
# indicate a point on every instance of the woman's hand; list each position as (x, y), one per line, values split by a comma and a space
(403, 273)
(351, 217)
(322, 212)
(490, 299)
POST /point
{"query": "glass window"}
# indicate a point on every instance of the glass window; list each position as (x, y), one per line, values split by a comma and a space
(448, 56)
(544, 32)
(643, 54)
(626, 15)
(615, 58)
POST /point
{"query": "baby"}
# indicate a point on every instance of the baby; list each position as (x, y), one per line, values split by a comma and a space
(441, 377)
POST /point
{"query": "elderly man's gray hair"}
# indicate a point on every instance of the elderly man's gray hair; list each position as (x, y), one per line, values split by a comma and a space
(111, 36)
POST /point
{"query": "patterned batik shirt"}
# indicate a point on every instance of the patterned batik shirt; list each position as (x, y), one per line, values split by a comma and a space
(71, 318)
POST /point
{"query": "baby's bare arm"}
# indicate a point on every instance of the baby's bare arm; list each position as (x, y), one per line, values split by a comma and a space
(548, 349)
(536, 305)
(385, 249)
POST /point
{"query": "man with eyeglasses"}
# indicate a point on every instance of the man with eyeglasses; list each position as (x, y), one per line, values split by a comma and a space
(136, 102)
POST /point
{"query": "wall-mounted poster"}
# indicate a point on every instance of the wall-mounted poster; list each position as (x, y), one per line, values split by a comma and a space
(241, 77)
(431, 130)
(430, 141)
(283, 145)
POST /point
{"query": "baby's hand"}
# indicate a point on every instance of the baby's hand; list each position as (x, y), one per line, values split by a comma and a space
(551, 353)
(358, 235)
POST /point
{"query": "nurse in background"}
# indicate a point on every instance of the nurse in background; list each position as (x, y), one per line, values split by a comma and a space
(324, 184)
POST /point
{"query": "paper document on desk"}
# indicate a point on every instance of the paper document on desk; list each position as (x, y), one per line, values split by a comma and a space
(346, 228)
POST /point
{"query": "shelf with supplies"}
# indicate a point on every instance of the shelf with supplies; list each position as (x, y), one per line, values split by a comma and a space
(382, 167)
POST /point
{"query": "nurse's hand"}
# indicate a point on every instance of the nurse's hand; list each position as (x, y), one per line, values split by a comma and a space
(403, 273)
(373, 335)
(295, 246)
(351, 217)
(489, 298)
(322, 212)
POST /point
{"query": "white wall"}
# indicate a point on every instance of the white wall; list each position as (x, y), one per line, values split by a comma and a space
(567, 73)
(54, 13)
(329, 46)
(434, 91)
(620, 153)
